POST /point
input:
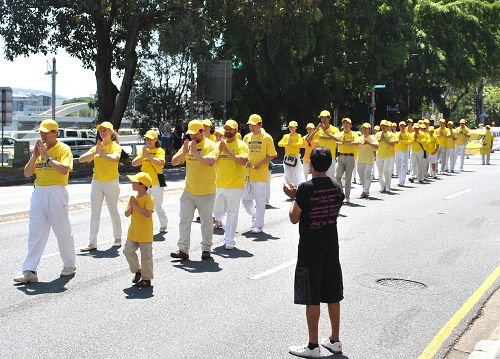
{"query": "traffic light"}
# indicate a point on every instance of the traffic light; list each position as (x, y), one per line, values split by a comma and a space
(6, 105)
(369, 97)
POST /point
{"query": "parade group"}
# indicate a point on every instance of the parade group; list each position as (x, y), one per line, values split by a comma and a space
(223, 170)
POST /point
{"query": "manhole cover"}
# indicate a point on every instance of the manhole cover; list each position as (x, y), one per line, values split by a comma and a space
(399, 283)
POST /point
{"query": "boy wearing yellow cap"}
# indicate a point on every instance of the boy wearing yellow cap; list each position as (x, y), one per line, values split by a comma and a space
(208, 129)
(199, 154)
(261, 152)
(309, 145)
(152, 159)
(230, 178)
(50, 162)
(292, 142)
(327, 136)
(140, 232)
(432, 148)
(463, 135)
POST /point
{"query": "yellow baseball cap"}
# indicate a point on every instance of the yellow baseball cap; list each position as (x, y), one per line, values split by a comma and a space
(310, 125)
(462, 120)
(488, 127)
(207, 122)
(220, 131)
(47, 126)
(402, 123)
(442, 120)
(346, 119)
(366, 125)
(409, 120)
(481, 124)
(194, 127)
(426, 120)
(450, 123)
(105, 124)
(254, 119)
(431, 128)
(376, 127)
(231, 123)
(384, 123)
(151, 134)
(325, 113)
(416, 126)
(141, 177)
(293, 124)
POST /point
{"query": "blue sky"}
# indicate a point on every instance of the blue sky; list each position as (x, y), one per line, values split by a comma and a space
(29, 72)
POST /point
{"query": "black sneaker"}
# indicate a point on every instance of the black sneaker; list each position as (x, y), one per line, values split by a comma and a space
(206, 255)
(179, 254)
(137, 277)
(143, 283)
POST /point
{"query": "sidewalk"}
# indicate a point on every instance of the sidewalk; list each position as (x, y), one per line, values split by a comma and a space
(481, 340)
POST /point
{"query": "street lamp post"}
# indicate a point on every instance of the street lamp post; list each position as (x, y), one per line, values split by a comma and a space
(52, 71)
(373, 104)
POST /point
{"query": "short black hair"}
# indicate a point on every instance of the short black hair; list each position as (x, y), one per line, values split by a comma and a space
(321, 159)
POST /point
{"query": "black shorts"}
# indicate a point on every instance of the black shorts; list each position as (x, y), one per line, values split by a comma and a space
(318, 276)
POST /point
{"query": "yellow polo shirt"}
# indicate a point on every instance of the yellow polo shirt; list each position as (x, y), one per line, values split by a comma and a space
(487, 143)
(348, 137)
(384, 149)
(461, 136)
(450, 142)
(149, 167)
(404, 139)
(421, 139)
(432, 143)
(260, 146)
(141, 227)
(443, 140)
(238, 135)
(309, 147)
(230, 174)
(292, 148)
(200, 178)
(366, 153)
(106, 170)
(48, 176)
(325, 141)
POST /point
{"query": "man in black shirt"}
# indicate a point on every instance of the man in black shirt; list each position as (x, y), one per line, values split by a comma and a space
(318, 275)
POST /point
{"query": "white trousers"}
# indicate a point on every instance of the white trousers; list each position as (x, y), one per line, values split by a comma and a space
(157, 193)
(365, 176)
(401, 165)
(417, 160)
(49, 209)
(227, 207)
(109, 190)
(441, 154)
(450, 160)
(460, 151)
(307, 169)
(384, 166)
(188, 204)
(294, 175)
(254, 201)
(485, 159)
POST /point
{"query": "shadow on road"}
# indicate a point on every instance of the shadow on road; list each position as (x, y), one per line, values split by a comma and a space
(233, 253)
(55, 286)
(111, 252)
(203, 266)
(159, 237)
(139, 293)
(259, 237)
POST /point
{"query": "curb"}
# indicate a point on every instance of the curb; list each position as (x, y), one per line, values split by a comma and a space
(486, 349)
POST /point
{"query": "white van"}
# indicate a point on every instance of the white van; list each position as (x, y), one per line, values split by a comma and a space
(76, 132)
(78, 145)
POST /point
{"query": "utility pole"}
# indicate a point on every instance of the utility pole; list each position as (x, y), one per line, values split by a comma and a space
(373, 104)
(52, 71)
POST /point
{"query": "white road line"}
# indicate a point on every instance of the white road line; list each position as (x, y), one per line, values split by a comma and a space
(458, 194)
(76, 252)
(275, 269)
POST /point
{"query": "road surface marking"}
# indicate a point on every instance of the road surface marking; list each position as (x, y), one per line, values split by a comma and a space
(458, 194)
(275, 269)
(76, 252)
(448, 328)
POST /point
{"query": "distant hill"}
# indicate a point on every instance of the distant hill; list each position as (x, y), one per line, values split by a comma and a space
(37, 92)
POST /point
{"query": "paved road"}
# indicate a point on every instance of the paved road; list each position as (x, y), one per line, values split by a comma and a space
(240, 305)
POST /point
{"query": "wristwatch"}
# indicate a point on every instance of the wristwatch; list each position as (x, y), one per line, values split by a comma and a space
(48, 160)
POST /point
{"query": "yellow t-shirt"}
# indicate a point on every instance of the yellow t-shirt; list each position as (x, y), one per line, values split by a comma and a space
(106, 170)
(149, 167)
(461, 136)
(230, 174)
(420, 139)
(200, 178)
(348, 137)
(238, 135)
(384, 149)
(325, 141)
(48, 176)
(404, 139)
(432, 143)
(260, 146)
(441, 135)
(450, 143)
(296, 143)
(487, 143)
(141, 227)
(366, 153)
(309, 148)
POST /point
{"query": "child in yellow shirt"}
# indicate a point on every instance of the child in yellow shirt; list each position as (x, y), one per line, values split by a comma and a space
(140, 232)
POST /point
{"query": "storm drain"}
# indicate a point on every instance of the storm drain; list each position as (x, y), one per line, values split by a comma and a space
(398, 283)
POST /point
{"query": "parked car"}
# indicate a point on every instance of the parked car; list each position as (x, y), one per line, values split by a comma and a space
(78, 145)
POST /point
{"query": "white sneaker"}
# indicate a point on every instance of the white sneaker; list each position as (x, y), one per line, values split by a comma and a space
(163, 229)
(303, 351)
(27, 276)
(117, 243)
(228, 246)
(68, 272)
(335, 348)
(256, 230)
